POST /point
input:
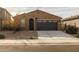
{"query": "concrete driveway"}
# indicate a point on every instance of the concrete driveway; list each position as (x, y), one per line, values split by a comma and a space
(54, 35)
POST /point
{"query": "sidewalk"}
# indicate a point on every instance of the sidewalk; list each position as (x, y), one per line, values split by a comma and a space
(39, 42)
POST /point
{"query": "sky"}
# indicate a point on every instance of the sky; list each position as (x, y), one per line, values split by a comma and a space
(24, 6)
(59, 11)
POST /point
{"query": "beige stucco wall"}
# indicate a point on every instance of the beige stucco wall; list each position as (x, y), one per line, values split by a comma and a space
(36, 14)
(72, 22)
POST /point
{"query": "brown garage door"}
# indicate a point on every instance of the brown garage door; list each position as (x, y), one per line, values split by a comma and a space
(46, 25)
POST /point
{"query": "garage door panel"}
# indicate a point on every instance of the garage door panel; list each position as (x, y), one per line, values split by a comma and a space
(46, 25)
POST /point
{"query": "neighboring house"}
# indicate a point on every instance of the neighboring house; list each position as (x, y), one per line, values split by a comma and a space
(72, 21)
(5, 18)
(37, 20)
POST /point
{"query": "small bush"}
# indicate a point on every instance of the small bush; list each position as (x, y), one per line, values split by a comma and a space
(8, 28)
(17, 29)
(31, 38)
(78, 34)
(71, 30)
(2, 36)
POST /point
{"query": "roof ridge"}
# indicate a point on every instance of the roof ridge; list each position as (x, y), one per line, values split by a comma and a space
(41, 11)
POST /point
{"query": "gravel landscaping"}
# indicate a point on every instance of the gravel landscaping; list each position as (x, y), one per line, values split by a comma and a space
(20, 35)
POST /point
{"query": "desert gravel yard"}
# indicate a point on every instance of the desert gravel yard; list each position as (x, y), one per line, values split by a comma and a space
(20, 34)
(54, 35)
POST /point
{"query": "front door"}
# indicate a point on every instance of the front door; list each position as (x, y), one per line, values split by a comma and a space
(31, 24)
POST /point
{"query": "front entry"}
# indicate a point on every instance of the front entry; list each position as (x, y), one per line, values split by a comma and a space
(31, 24)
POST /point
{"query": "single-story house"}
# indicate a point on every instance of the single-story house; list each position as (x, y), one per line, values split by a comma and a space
(72, 21)
(5, 18)
(37, 20)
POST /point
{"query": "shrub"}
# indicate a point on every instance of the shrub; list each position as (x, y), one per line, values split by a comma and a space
(31, 38)
(71, 30)
(17, 29)
(78, 34)
(8, 28)
(2, 36)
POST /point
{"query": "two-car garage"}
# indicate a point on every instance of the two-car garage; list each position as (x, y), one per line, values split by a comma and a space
(47, 25)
